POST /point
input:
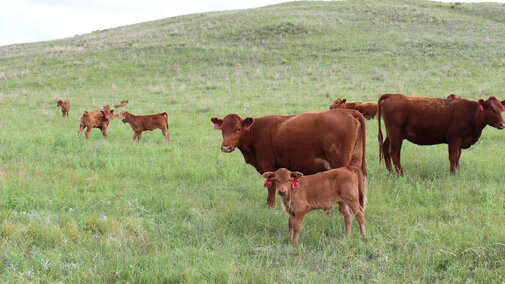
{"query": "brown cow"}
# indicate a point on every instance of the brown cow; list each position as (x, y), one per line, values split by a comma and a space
(65, 107)
(428, 121)
(368, 109)
(141, 123)
(453, 97)
(96, 119)
(122, 104)
(310, 142)
(320, 191)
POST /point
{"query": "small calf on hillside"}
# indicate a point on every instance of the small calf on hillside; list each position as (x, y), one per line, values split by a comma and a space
(96, 119)
(368, 109)
(122, 104)
(320, 191)
(453, 97)
(141, 123)
(65, 107)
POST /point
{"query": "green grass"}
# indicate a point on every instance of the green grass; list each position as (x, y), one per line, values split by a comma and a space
(107, 210)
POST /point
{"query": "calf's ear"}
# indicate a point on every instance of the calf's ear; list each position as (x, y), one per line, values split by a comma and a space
(268, 175)
(296, 175)
(503, 103)
(248, 122)
(217, 122)
(344, 100)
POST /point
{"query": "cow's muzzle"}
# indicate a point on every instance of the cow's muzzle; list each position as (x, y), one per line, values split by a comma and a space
(226, 148)
(501, 126)
(282, 192)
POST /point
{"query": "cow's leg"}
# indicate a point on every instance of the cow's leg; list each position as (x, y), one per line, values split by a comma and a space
(454, 154)
(88, 130)
(346, 211)
(297, 227)
(291, 224)
(360, 216)
(104, 132)
(134, 136)
(271, 200)
(386, 154)
(395, 149)
(81, 127)
(165, 133)
(139, 134)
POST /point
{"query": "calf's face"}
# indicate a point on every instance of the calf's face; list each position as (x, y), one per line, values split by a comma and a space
(492, 110)
(59, 103)
(232, 127)
(338, 103)
(107, 114)
(285, 180)
(124, 117)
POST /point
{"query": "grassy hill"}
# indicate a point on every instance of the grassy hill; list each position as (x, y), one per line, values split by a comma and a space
(108, 210)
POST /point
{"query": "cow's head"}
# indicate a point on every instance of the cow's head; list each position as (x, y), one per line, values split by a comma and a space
(285, 180)
(124, 116)
(232, 127)
(453, 97)
(491, 111)
(59, 103)
(338, 103)
(106, 113)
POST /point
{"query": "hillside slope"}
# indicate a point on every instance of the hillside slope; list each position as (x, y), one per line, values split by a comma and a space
(108, 210)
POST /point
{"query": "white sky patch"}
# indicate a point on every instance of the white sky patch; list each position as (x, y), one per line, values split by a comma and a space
(24, 21)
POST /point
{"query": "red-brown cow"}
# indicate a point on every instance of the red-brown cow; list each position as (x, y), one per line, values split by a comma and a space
(96, 119)
(122, 104)
(140, 123)
(368, 109)
(65, 107)
(310, 142)
(301, 195)
(428, 121)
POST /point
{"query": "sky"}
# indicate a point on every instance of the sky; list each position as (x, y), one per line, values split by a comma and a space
(23, 21)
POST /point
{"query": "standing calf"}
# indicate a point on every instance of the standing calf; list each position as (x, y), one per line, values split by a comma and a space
(141, 123)
(368, 109)
(96, 119)
(65, 107)
(320, 191)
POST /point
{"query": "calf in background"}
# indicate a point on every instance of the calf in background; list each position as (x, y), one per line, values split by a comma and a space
(122, 104)
(65, 107)
(140, 123)
(368, 109)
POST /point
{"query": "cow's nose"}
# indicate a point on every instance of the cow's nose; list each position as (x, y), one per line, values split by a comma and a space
(282, 192)
(501, 126)
(226, 149)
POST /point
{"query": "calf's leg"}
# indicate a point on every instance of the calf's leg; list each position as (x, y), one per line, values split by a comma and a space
(346, 211)
(165, 133)
(81, 127)
(360, 216)
(297, 227)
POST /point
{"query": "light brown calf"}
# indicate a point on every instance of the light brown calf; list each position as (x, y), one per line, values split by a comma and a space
(320, 191)
(141, 123)
(122, 104)
(368, 109)
(453, 97)
(96, 119)
(65, 107)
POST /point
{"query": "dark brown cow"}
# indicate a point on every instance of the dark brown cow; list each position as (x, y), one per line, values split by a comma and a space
(368, 109)
(65, 107)
(140, 123)
(428, 121)
(324, 190)
(310, 142)
(453, 97)
(96, 119)
(122, 104)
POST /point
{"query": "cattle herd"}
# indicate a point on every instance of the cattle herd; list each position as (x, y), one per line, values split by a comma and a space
(316, 159)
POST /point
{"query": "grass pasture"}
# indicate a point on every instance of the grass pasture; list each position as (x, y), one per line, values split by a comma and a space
(108, 210)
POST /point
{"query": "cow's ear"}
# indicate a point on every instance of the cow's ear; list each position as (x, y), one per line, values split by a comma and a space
(217, 122)
(112, 111)
(482, 104)
(503, 103)
(296, 175)
(248, 122)
(344, 100)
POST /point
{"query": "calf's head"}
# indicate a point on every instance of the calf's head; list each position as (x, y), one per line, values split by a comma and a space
(124, 116)
(106, 113)
(284, 179)
(338, 103)
(59, 103)
(492, 110)
(233, 128)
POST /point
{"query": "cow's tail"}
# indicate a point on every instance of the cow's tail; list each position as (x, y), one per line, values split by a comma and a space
(381, 143)
(361, 188)
(362, 138)
(166, 117)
